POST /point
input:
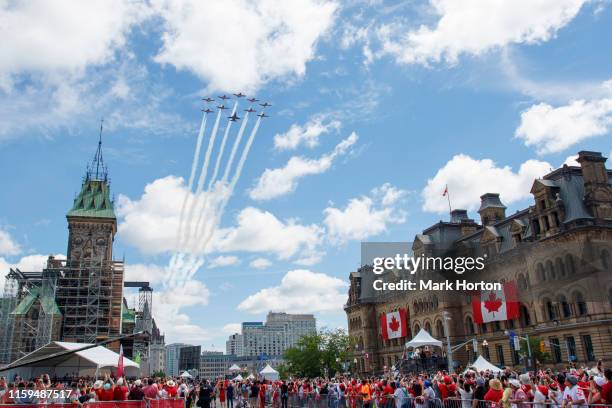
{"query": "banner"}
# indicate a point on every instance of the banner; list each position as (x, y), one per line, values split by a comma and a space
(393, 325)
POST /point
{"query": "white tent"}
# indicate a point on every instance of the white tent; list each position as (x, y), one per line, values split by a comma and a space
(60, 359)
(423, 338)
(186, 375)
(234, 368)
(481, 364)
(269, 373)
(238, 378)
(251, 377)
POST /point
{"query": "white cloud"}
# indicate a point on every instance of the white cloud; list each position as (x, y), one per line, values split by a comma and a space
(8, 246)
(232, 328)
(365, 216)
(553, 129)
(151, 273)
(222, 261)
(469, 178)
(28, 263)
(307, 134)
(239, 45)
(300, 291)
(261, 231)
(475, 27)
(260, 263)
(280, 181)
(63, 35)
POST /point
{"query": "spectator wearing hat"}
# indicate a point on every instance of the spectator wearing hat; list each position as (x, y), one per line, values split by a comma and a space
(595, 388)
(136, 393)
(495, 392)
(573, 396)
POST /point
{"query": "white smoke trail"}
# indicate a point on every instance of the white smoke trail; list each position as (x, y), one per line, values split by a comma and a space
(222, 148)
(194, 166)
(202, 178)
(230, 189)
(230, 161)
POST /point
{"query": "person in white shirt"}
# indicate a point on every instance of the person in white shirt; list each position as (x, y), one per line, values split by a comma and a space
(573, 396)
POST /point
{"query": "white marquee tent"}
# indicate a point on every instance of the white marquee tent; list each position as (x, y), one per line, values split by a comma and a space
(186, 375)
(269, 373)
(423, 338)
(234, 368)
(238, 378)
(60, 358)
(481, 364)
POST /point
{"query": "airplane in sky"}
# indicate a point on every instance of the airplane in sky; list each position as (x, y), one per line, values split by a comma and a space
(253, 100)
(224, 97)
(208, 99)
(239, 95)
(263, 115)
(221, 107)
(250, 110)
(265, 104)
(206, 110)
(233, 118)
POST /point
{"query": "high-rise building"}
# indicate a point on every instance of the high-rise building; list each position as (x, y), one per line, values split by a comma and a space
(173, 353)
(270, 339)
(189, 358)
(215, 364)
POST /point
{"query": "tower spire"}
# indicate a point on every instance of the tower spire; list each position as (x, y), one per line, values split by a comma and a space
(97, 170)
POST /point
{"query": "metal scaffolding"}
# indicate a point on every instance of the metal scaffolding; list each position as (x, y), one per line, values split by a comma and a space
(8, 302)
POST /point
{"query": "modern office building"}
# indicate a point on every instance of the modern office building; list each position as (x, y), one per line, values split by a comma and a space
(172, 358)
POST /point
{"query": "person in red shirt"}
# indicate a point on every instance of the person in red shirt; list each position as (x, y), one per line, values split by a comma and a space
(121, 390)
(495, 392)
(171, 389)
(107, 392)
(606, 389)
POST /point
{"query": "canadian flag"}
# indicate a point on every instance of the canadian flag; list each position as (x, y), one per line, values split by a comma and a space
(393, 325)
(120, 363)
(496, 305)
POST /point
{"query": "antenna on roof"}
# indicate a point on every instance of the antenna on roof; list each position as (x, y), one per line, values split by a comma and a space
(97, 165)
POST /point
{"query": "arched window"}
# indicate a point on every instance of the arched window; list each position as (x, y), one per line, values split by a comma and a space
(549, 309)
(435, 302)
(415, 307)
(417, 328)
(469, 324)
(560, 267)
(483, 328)
(605, 259)
(525, 318)
(566, 310)
(439, 329)
(522, 282)
(428, 327)
(540, 273)
(569, 264)
(550, 270)
(581, 306)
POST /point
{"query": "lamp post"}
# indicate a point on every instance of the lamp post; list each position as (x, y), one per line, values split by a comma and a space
(449, 352)
(485, 347)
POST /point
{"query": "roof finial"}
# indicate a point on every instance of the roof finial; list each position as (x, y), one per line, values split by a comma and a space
(97, 164)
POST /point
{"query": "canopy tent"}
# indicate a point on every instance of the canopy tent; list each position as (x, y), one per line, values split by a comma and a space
(60, 359)
(238, 378)
(186, 375)
(481, 364)
(423, 338)
(269, 373)
(234, 368)
(251, 377)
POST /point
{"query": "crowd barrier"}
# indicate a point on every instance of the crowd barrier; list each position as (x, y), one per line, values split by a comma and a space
(159, 403)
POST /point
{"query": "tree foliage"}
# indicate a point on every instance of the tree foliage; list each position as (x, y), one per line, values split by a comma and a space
(317, 354)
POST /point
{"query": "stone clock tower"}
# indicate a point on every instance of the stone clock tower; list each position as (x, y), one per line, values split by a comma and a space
(90, 287)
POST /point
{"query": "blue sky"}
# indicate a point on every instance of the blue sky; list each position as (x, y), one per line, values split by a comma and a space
(376, 107)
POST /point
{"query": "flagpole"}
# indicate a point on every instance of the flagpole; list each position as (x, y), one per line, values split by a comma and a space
(450, 210)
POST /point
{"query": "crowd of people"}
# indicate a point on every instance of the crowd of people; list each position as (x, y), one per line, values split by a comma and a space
(575, 388)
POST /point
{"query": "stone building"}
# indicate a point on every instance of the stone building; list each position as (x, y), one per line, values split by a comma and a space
(558, 253)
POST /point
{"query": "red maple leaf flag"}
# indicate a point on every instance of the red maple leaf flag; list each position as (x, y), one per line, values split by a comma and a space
(445, 191)
(393, 325)
(120, 363)
(496, 305)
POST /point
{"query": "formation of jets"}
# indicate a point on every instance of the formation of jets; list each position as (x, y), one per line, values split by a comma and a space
(234, 117)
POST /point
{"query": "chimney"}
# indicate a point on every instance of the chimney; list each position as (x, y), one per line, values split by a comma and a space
(491, 209)
(597, 190)
(458, 215)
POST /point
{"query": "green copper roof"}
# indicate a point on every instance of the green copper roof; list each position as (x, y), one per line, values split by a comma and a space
(47, 302)
(93, 200)
(128, 315)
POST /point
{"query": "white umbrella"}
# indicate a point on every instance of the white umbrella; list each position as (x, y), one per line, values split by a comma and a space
(186, 375)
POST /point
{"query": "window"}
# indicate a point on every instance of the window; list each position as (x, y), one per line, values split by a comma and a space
(569, 263)
(515, 354)
(536, 227)
(556, 349)
(500, 355)
(570, 343)
(540, 273)
(469, 324)
(525, 318)
(588, 347)
(560, 267)
(497, 326)
(483, 328)
(581, 306)
(485, 351)
(550, 310)
(550, 269)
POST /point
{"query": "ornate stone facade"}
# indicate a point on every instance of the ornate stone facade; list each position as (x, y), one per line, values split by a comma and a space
(558, 251)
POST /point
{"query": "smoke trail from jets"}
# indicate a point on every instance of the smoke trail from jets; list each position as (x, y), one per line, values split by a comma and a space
(222, 148)
(230, 189)
(202, 178)
(230, 161)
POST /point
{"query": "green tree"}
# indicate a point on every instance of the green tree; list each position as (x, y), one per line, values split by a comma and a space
(318, 354)
(159, 374)
(537, 354)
